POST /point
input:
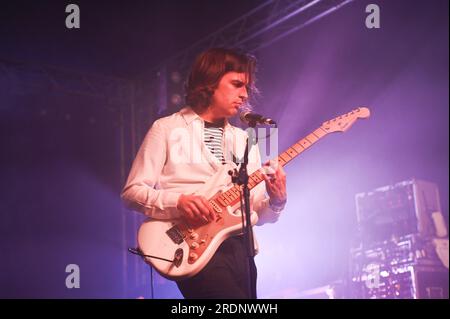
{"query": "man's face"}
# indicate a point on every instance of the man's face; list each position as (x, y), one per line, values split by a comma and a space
(230, 94)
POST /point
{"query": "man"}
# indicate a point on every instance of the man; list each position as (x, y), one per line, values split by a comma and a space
(187, 149)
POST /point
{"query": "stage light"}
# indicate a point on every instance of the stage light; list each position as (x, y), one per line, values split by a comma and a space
(175, 99)
(175, 77)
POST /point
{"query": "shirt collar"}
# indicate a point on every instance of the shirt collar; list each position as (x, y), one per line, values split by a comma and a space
(189, 116)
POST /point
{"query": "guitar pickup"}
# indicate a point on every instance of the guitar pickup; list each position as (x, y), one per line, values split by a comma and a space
(215, 206)
(175, 234)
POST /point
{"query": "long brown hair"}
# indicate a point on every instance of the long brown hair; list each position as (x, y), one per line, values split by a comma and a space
(209, 67)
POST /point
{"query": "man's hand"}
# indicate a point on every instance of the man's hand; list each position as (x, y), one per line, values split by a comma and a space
(195, 209)
(275, 178)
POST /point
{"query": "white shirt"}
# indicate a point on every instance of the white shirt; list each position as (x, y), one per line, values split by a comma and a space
(173, 160)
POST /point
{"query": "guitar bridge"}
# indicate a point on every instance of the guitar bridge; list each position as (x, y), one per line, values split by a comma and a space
(175, 234)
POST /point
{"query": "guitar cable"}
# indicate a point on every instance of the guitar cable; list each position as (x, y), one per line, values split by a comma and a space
(137, 251)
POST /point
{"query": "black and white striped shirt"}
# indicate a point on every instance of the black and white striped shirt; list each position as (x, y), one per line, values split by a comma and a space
(213, 136)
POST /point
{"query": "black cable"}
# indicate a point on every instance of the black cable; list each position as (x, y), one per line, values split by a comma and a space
(151, 283)
(139, 253)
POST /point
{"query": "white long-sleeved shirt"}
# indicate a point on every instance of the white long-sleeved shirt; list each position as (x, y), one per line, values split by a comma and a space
(173, 160)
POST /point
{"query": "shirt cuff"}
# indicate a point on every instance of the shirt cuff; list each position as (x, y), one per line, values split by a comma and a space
(171, 200)
(277, 207)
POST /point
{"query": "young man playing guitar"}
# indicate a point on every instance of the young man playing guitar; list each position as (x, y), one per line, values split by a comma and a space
(196, 147)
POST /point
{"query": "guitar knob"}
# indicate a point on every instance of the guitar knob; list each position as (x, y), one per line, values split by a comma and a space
(193, 236)
(193, 256)
(194, 245)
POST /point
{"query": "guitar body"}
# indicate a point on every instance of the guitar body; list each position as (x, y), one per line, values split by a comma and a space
(191, 246)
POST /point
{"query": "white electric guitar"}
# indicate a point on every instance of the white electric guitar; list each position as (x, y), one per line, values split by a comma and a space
(177, 250)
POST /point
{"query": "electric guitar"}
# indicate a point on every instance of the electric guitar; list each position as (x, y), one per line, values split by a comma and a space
(177, 250)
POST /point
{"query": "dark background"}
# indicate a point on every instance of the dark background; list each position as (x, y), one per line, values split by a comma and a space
(65, 152)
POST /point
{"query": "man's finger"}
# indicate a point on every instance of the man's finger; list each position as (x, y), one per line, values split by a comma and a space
(196, 212)
(211, 213)
(204, 211)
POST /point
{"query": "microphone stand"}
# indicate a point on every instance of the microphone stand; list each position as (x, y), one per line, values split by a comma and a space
(241, 178)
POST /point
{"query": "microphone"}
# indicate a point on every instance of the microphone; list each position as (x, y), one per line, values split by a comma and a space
(250, 117)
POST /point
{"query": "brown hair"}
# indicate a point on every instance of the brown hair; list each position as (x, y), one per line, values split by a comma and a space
(209, 67)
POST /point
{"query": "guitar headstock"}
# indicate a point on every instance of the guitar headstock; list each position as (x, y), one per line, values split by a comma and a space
(343, 122)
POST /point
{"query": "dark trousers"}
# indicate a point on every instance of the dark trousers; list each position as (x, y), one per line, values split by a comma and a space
(226, 276)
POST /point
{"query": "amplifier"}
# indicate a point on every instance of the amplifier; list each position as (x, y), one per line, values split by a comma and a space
(407, 268)
(401, 282)
(397, 210)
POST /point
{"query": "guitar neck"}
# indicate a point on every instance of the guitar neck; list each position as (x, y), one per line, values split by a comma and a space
(231, 196)
(292, 152)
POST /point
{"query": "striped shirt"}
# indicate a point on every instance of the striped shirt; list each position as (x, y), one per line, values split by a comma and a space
(213, 140)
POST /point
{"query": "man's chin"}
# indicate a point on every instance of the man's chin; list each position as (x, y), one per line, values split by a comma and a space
(231, 112)
(234, 111)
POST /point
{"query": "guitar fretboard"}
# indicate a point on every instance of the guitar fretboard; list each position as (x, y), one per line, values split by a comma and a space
(231, 196)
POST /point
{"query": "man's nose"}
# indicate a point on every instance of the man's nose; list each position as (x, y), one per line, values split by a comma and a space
(243, 94)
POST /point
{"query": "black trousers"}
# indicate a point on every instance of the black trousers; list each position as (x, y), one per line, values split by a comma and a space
(226, 276)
